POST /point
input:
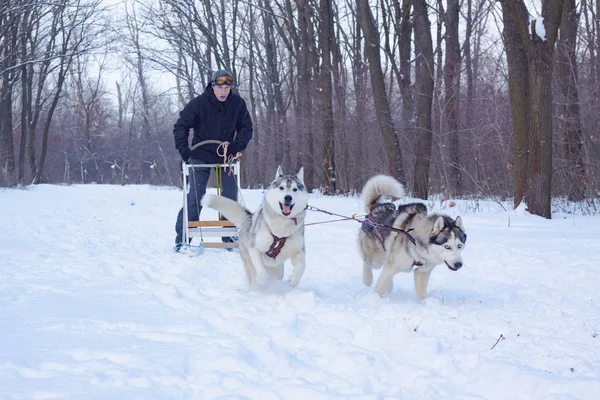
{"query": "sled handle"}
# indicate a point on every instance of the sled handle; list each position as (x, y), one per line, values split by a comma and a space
(194, 147)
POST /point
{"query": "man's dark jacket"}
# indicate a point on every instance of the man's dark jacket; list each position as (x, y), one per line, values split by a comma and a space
(213, 119)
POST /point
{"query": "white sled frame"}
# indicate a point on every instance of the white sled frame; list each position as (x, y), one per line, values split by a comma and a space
(208, 229)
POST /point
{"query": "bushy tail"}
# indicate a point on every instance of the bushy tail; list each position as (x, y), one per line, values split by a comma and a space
(232, 210)
(380, 185)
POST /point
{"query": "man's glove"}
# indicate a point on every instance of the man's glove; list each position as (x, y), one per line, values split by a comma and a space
(185, 153)
(232, 149)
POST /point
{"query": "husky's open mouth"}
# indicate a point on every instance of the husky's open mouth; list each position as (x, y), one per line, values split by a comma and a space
(286, 209)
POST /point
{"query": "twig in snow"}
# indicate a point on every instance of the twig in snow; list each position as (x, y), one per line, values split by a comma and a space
(501, 337)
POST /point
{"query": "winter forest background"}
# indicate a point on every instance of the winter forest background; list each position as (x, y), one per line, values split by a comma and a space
(462, 98)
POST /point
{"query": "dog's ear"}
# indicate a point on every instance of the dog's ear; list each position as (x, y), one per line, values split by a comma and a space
(459, 224)
(279, 172)
(300, 175)
(438, 226)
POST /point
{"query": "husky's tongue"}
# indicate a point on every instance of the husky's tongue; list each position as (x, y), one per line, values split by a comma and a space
(286, 209)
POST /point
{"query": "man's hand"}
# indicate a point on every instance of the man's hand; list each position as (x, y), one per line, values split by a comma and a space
(185, 153)
(231, 148)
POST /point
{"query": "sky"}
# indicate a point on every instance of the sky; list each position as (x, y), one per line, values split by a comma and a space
(94, 304)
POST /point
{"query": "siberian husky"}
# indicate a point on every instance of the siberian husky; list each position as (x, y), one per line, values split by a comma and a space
(272, 234)
(438, 238)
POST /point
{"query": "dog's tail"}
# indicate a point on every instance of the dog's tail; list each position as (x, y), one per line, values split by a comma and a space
(380, 185)
(232, 210)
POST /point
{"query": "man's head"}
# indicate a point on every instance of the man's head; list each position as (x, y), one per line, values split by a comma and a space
(221, 83)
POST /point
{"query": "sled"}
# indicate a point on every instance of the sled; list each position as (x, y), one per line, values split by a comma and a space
(210, 232)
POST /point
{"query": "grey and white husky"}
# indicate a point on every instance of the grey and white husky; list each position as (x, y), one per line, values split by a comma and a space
(272, 234)
(438, 238)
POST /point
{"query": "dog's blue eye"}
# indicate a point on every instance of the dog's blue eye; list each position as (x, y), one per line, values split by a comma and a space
(447, 247)
(460, 246)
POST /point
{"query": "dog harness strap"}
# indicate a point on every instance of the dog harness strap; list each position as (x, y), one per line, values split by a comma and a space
(276, 246)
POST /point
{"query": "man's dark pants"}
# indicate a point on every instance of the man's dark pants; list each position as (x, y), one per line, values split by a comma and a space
(198, 180)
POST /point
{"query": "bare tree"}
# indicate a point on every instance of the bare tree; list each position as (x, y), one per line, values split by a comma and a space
(425, 80)
(72, 25)
(39, 45)
(10, 23)
(384, 117)
(400, 56)
(276, 109)
(340, 77)
(361, 100)
(329, 181)
(256, 173)
(29, 18)
(452, 69)
(135, 56)
(87, 95)
(404, 32)
(530, 54)
(569, 122)
(306, 62)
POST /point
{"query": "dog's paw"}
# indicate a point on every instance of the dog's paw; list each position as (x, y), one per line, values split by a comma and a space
(261, 278)
(294, 280)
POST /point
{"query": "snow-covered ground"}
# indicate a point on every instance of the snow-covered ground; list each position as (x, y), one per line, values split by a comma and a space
(95, 305)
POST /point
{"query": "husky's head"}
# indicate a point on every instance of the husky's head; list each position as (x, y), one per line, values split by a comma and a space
(447, 241)
(287, 194)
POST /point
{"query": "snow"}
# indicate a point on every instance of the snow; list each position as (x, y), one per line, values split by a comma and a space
(540, 30)
(95, 305)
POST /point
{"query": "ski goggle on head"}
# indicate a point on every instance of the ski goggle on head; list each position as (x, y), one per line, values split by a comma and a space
(223, 80)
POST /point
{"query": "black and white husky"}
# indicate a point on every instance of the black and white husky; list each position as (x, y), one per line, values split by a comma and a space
(272, 234)
(439, 239)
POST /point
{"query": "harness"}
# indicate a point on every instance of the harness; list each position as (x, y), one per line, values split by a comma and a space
(276, 246)
(278, 243)
(380, 219)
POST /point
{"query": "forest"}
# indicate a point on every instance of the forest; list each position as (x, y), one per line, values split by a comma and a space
(454, 98)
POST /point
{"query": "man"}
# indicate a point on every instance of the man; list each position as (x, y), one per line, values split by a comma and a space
(217, 114)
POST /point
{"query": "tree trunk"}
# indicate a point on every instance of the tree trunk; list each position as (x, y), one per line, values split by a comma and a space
(539, 171)
(468, 57)
(133, 27)
(405, 43)
(359, 69)
(44, 151)
(25, 93)
(328, 178)
(568, 111)
(452, 89)
(518, 89)
(7, 152)
(9, 39)
(424, 51)
(255, 174)
(340, 83)
(530, 80)
(382, 107)
(305, 90)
